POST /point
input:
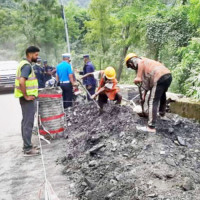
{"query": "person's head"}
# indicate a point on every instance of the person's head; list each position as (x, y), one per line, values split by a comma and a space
(39, 61)
(86, 58)
(66, 57)
(45, 63)
(32, 53)
(110, 73)
(131, 61)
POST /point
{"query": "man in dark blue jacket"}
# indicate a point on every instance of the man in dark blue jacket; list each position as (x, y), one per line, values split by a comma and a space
(39, 72)
(90, 81)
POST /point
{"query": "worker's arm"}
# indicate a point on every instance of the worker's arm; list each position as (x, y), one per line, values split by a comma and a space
(98, 92)
(22, 85)
(57, 78)
(86, 75)
(138, 78)
(71, 78)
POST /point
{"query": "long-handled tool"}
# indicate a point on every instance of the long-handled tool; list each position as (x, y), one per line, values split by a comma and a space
(88, 94)
(141, 99)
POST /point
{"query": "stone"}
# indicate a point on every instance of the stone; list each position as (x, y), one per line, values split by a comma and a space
(133, 141)
(96, 148)
(187, 184)
(122, 134)
(109, 196)
(176, 142)
(152, 195)
(171, 162)
(89, 183)
(113, 182)
(181, 141)
(93, 163)
(84, 184)
(171, 173)
(170, 130)
(88, 193)
(162, 153)
(69, 124)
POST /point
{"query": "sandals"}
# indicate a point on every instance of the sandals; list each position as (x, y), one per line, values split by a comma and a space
(145, 129)
(32, 152)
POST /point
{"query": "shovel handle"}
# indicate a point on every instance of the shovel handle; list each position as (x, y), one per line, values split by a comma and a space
(88, 94)
(140, 91)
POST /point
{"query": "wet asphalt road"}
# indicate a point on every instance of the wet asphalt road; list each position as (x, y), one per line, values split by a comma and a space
(22, 178)
(10, 114)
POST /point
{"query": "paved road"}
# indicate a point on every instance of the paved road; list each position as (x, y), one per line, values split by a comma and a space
(10, 114)
(21, 178)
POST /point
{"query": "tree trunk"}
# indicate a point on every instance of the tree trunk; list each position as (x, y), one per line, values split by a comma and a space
(124, 52)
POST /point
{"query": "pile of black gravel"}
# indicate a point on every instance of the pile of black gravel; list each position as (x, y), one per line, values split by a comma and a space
(107, 158)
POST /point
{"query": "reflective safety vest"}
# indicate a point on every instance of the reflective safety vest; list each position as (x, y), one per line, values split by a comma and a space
(31, 83)
(111, 93)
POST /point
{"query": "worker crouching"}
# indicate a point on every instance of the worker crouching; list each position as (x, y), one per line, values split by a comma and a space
(107, 88)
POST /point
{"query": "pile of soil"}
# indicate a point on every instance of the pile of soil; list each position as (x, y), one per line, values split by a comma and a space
(108, 158)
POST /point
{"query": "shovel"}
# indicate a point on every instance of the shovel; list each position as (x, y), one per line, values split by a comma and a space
(142, 114)
(88, 94)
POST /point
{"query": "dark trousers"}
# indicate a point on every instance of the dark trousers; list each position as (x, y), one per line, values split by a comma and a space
(91, 91)
(103, 99)
(158, 95)
(67, 92)
(28, 112)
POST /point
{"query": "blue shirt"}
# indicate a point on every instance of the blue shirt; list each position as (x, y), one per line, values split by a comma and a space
(88, 68)
(63, 71)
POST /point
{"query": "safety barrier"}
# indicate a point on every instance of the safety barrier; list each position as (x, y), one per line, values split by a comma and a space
(51, 112)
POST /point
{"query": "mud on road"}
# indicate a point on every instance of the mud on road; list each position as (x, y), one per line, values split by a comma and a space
(107, 158)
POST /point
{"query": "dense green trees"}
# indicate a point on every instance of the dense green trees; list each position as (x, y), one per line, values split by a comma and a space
(165, 30)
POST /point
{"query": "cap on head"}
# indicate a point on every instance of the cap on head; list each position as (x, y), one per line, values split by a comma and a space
(129, 56)
(110, 73)
(86, 56)
(66, 55)
(45, 61)
(39, 59)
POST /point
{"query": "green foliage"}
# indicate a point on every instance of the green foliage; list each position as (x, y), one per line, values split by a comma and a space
(187, 73)
(172, 27)
(165, 30)
(194, 12)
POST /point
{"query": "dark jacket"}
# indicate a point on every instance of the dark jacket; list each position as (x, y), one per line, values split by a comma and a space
(88, 68)
(39, 73)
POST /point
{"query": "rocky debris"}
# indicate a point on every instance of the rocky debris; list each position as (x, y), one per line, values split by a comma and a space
(187, 184)
(107, 158)
(181, 141)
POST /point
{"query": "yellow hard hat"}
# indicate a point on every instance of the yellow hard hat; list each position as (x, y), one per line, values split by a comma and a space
(110, 73)
(129, 56)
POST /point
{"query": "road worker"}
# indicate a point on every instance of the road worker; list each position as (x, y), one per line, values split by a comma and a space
(154, 77)
(107, 87)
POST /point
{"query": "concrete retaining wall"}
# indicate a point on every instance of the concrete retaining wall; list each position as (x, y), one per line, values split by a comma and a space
(186, 108)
